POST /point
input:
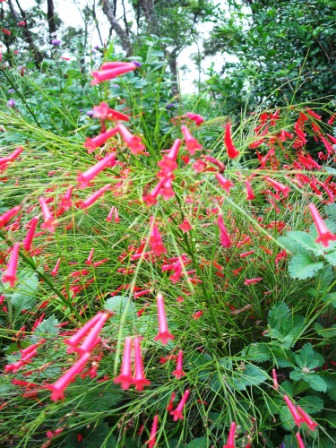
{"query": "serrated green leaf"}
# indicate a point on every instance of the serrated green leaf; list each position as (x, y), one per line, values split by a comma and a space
(119, 305)
(330, 257)
(331, 211)
(311, 404)
(305, 240)
(47, 327)
(302, 267)
(24, 295)
(307, 358)
(278, 314)
(259, 352)
(250, 376)
(325, 332)
(316, 382)
(200, 442)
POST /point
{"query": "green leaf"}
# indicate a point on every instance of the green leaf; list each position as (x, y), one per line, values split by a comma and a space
(259, 352)
(24, 296)
(330, 257)
(119, 305)
(278, 314)
(311, 404)
(308, 358)
(331, 210)
(305, 240)
(250, 376)
(46, 328)
(330, 299)
(316, 382)
(200, 442)
(302, 267)
(325, 332)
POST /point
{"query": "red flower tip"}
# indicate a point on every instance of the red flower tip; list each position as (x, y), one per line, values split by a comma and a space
(231, 150)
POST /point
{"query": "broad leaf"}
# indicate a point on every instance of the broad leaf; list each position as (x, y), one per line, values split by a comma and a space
(302, 267)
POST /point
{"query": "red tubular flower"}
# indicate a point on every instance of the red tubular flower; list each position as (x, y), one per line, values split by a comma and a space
(217, 162)
(94, 197)
(177, 414)
(27, 242)
(198, 119)
(170, 405)
(224, 235)
(178, 372)
(192, 144)
(163, 334)
(249, 192)
(49, 222)
(91, 173)
(103, 112)
(139, 377)
(331, 119)
(91, 339)
(300, 441)
(150, 198)
(7, 216)
(279, 187)
(110, 73)
(185, 226)
(306, 419)
(62, 383)
(295, 414)
(66, 202)
(324, 235)
(81, 333)
(92, 143)
(225, 183)
(152, 438)
(155, 240)
(89, 259)
(134, 143)
(231, 150)
(275, 380)
(252, 280)
(10, 274)
(231, 442)
(125, 378)
(115, 64)
(313, 114)
(55, 270)
(168, 163)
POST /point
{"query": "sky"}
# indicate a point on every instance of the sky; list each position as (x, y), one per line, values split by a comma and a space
(69, 12)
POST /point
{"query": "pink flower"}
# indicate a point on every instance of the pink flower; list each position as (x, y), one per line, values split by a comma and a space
(113, 212)
(163, 334)
(81, 333)
(178, 372)
(152, 438)
(300, 441)
(250, 281)
(279, 187)
(49, 222)
(224, 235)
(217, 162)
(94, 197)
(91, 173)
(27, 242)
(10, 274)
(134, 143)
(249, 192)
(225, 184)
(110, 73)
(168, 163)
(192, 144)
(231, 150)
(62, 383)
(125, 378)
(275, 380)
(198, 119)
(155, 240)
(170, 405)
(91, 339)
(177, 414)
(295, 414)
(231, 442)
(92, 143)
(185, 226)
(139, 378)
(55, 270)
(103, 112)
(306, 419)
(324, 235)
(151, 198)
(89, 259)
(66, 202)
(7, 216)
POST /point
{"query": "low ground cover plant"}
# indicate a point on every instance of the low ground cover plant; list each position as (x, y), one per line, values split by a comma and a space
(167, 285)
